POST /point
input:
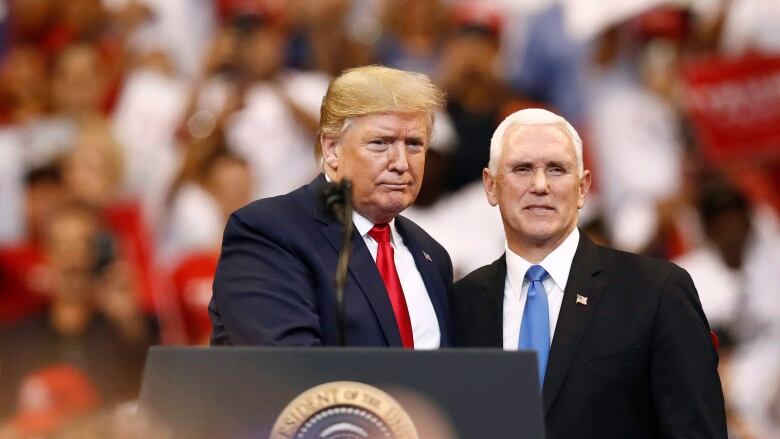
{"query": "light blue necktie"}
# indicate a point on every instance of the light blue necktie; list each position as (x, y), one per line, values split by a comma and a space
(535, 328)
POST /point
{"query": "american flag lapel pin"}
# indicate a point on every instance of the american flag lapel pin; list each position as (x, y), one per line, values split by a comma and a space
(582, 300)
(427, 256)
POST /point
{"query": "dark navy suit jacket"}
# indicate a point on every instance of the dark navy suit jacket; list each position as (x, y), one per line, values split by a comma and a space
(275, 282)
(631, 357)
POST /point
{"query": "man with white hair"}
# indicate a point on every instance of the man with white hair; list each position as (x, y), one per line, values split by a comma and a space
(624, 348)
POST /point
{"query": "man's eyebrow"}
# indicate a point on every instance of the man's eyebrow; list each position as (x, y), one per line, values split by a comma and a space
(389, 135)
(530, 163)
(559, 164)
(378, 134)
(518, 163)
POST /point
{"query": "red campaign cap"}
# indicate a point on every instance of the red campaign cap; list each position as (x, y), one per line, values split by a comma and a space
(664, 22)
(50, 397)
(477, 14)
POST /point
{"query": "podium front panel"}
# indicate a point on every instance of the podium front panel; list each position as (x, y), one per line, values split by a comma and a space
(243, 392)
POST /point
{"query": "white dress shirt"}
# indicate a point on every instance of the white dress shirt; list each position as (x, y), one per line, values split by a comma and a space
(425, 325)
(557, 264)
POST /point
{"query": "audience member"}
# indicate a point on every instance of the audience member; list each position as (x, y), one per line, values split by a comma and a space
(413, 35)
(214, 183)
(477, 97)
(277, 112)
(93, 171)
(736, 277)
(93, 320)
(22, 286)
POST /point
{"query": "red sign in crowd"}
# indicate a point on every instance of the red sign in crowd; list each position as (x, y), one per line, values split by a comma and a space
(734, 104)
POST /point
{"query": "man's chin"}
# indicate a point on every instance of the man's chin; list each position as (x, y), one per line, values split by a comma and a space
(541, 233)
(385, 210)
(394, 209)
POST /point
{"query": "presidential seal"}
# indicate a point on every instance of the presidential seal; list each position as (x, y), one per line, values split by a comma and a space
(344, 410)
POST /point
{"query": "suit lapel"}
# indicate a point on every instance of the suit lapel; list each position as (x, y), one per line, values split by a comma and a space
(492, 301)
(361, 267)
(430, 273)
(574, 316)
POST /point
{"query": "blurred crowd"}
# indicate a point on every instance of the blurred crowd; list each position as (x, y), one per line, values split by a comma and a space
(131, 129)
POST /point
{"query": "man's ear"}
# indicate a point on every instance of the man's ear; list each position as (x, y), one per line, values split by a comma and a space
(490, 186)
(330, 151)
(585, 182)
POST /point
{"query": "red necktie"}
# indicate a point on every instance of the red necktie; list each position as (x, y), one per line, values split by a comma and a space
(386, 265)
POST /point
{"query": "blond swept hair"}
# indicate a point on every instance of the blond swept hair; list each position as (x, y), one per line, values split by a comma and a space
(361, 91)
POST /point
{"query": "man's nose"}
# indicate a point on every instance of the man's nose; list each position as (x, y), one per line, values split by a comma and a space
(539, 183)
(397, 157)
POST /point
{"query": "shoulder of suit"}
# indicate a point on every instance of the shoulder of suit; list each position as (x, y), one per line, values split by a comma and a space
(482, 275)
(639, 264)
(291, 205)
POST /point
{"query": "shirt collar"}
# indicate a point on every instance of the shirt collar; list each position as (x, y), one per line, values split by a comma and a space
(557, 263)
(364, 225)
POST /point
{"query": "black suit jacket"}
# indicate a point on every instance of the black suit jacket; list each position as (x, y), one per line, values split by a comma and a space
(275, 281)
(636, 362)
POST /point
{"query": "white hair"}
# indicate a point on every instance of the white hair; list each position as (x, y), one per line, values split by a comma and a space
(532, 116)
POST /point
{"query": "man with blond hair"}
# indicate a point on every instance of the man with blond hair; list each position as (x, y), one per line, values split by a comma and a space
(623, 346)
(276, 276)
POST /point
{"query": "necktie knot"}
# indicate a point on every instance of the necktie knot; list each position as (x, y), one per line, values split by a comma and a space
(380, 232)
(536, 273)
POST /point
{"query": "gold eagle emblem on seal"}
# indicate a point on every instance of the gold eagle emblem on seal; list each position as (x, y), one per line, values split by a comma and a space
(344, 410)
